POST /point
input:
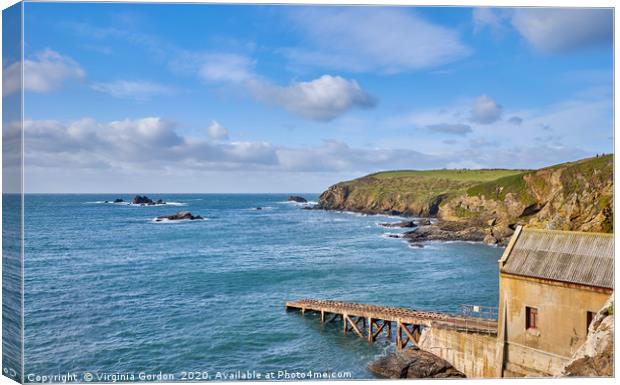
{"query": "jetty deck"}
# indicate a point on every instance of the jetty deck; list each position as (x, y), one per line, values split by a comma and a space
(368, 321)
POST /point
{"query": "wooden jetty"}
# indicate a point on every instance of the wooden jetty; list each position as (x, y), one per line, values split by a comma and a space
(368, 321)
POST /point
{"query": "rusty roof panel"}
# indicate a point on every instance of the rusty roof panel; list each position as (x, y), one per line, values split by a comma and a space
(574, 257)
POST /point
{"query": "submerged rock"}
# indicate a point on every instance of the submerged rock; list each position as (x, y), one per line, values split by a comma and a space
(181, 215)
(118, 200)
(399, 224)
(413, 363)
(297, 198)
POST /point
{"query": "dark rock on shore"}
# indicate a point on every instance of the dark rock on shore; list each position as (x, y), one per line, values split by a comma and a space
(144, 200)
(445, 231)
(118, 200)
(413, 363)
(403, 224)
(298, 199)
(179, 216)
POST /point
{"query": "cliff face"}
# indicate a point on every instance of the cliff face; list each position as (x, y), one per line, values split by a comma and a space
(414, 193)
(570, 196)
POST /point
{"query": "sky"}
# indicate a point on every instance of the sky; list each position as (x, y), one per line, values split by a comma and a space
(251, 98)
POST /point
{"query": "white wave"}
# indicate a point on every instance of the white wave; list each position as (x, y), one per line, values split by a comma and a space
(262, 208)
(157, 204)
(391, 235)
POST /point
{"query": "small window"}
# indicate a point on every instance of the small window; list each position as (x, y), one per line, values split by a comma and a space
(531, 318)
(589, 318)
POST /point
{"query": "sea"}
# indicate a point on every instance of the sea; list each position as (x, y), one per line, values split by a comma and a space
(114, 294)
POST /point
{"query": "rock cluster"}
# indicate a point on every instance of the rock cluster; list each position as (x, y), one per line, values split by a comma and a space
(181, 215)
(144, 200)
(413, 363)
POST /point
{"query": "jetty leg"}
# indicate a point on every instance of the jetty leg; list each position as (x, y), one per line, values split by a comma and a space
(389, 330)
(303, 310)
(322, 316)
(369, 331)
(416, 334)
(346, 324)
(398, 336)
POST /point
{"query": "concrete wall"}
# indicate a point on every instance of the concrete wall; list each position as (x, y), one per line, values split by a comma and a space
(473, 354)
(561, 325)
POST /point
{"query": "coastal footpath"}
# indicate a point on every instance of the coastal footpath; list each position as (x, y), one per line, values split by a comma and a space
(486, 205)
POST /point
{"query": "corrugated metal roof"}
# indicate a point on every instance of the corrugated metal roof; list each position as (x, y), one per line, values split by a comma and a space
(575, 257)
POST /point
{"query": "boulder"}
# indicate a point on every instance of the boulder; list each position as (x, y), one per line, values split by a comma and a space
(297, 198)
(118, 200)
(423, 222)
(413, 363)
(181, 215)
(489, 239)
(259, 208)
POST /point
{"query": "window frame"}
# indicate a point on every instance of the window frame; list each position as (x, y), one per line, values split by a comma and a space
(531, 318)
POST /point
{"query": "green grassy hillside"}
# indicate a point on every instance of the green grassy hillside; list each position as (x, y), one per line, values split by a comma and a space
(573, 195)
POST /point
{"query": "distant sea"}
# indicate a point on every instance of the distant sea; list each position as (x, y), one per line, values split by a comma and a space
(108, 290)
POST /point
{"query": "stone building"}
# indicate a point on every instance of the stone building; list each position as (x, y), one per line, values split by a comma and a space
(551, 285)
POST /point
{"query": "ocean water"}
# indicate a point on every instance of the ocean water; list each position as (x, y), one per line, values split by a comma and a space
(110, 291)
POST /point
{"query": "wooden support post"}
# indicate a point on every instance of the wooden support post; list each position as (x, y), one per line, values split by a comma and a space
(416, 334)
(369, 330)
(398, 336)
(389, 326)
(344, 320)
(303, 310)
(322, 316)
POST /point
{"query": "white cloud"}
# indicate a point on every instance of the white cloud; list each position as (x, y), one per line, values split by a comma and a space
(485, 110)
(486, 17)
(223, 67)
(337, 156)
(48, 70)
(321, 99)
(137, 90)
(216, 131)
(552, 30)
(365, 39)
(134, 144)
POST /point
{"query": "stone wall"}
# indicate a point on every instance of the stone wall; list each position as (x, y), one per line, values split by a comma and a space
(471, 353)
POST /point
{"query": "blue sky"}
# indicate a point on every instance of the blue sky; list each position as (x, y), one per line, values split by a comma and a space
(224, 98)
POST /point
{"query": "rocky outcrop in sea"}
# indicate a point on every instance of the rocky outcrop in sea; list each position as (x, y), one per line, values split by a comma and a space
(413, 363)
(181, 215)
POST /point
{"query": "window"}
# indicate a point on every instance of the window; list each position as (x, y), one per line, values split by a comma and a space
(589, 318)
(531, 317)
